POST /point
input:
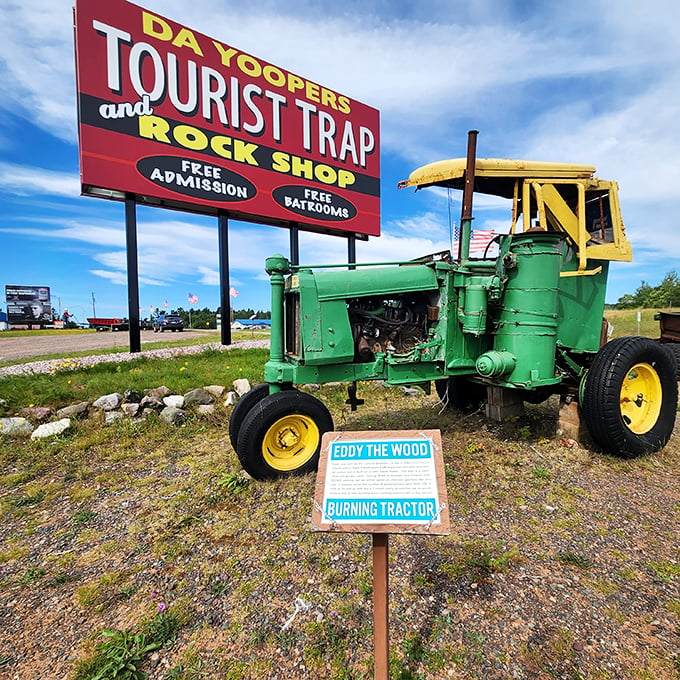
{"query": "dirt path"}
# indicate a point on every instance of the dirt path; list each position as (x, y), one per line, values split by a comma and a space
(39, 345)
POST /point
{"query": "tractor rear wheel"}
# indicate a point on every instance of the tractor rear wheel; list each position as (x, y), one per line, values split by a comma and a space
(630, 397)
(674, 349)
(281, 436)
(459, 393)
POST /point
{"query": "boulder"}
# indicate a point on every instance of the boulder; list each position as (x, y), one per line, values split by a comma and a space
(111, 417)
(15, 426)
(241, 386)
(152, 403)
(37, 413)
(130, 409)
(51, 429)
(108, 402)
(158, 392)
(231, 399)
(176, 400)
(216, 390)
(173, 416)
(205, 409)
(74, 411)
(132, 396)
(198, 396)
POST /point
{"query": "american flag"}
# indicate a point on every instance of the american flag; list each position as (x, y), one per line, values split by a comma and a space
(233, 292)
(165, 304)
(193, 299)
(478, 243)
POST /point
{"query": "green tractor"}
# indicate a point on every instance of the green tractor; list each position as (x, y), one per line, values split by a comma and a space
(526, 322)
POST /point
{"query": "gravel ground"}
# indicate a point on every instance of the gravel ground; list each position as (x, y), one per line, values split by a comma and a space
(48, 365)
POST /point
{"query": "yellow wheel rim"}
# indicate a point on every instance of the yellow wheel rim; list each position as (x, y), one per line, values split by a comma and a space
(290, 442)
(641, 397)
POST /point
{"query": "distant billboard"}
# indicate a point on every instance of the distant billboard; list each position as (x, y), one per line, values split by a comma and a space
(30, 305)
(186, 121)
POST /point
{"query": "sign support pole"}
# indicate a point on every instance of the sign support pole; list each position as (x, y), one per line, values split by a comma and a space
(132, 272)
(293, 233)
(225, 301)
(381, 626)
(351, 250)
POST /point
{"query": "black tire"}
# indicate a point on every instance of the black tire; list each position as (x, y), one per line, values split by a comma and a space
(459, 393)
(281, 435)
(241, 408)
(630, 397)
(674, 349)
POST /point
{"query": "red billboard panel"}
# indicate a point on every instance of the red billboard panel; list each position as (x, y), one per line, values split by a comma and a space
(186, 121)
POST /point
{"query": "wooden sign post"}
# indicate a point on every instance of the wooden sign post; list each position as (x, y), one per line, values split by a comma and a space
(381, 483)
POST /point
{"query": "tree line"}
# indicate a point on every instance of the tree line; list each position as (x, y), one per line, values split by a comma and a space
(666, 294)
(206, 318)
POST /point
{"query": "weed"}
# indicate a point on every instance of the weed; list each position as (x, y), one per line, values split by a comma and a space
(163, 627)
(540, 473)
(30, 576)
(524, 432)
(191, 667)
(236, 670)
(61, 578)
(575, 559)
(119, 656)
(82, 517)
(14, 552)
(665, 572)
(97, 595)
(234, 482)
(23, 501)
(220, 588)
(413, 648)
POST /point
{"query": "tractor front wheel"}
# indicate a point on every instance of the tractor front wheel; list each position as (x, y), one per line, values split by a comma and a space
(241, 408)
(630, 397)
(281, 435)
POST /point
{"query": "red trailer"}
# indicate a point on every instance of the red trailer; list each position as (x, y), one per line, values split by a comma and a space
(104, 324)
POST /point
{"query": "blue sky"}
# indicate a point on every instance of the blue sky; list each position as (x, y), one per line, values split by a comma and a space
(539, 80)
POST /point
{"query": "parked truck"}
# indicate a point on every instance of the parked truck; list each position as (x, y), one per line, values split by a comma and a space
(526, 321)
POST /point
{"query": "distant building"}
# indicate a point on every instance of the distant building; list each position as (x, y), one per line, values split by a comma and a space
(239, 324)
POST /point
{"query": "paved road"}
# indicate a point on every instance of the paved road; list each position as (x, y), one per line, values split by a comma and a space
(29, 345)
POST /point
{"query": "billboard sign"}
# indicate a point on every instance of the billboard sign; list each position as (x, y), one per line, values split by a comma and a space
(30, 305)
(186, 121)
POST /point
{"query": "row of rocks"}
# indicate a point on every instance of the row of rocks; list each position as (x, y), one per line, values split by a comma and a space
(40, 422)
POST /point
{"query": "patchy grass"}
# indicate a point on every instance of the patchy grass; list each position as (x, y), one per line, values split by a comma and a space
(154, 534)
(180, 374)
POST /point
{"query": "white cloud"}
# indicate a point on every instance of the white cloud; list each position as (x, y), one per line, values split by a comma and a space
(27, 181)
(117, 278)
(549, 81)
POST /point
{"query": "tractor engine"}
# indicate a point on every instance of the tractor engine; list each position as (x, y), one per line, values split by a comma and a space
(389, 326)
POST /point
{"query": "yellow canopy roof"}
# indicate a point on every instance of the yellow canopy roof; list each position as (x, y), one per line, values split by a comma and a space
(494, 176)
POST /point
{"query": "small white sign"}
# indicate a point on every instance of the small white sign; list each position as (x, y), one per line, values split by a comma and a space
(390, 481)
